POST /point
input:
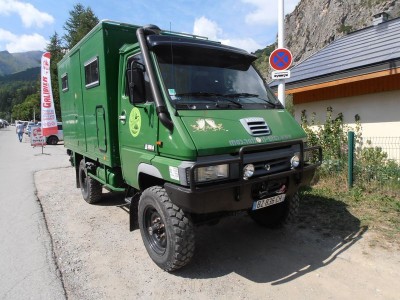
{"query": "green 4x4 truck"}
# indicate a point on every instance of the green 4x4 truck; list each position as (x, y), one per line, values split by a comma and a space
(186, 127)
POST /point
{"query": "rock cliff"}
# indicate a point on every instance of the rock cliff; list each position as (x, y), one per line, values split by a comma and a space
(316, 23)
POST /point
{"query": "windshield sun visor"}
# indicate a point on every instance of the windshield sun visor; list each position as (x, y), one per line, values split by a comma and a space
(178, 49)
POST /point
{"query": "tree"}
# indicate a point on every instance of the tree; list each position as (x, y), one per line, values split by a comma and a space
(80, 22)
(25, 110)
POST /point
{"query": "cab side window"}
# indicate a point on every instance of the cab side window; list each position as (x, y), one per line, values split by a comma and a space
(137, 83)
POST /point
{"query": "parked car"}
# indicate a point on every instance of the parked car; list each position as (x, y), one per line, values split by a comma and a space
(54, 139)
(28, 128)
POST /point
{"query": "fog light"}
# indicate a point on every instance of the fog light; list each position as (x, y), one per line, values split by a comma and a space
(295, 161)
(248, 171)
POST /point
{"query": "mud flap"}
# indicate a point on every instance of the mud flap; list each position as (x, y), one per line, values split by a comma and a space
(133, 211)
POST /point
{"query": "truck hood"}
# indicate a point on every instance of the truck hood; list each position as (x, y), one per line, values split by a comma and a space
(221, 131)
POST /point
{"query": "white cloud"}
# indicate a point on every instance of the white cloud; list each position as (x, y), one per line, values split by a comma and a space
(267, 13)
(29, 15)
(6, 35)
(21, 43)
(205, 27)
(208, 28)
(247, 44)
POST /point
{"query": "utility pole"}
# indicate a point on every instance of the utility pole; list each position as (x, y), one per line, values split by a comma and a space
(281, 44)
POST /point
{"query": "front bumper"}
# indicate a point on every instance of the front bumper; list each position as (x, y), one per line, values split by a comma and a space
(236, 194)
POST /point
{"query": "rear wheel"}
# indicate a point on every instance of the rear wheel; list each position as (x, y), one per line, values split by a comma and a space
(278, 214)
(91, 189)
(167, 232)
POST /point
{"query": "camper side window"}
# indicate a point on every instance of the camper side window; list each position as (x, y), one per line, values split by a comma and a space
(92, 72)
(139, 80)
(64, 82)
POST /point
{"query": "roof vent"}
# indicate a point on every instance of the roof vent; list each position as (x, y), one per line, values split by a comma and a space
(380, 18)
(255, 126)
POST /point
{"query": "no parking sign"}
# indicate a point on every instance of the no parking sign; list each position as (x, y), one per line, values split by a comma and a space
(280, 59)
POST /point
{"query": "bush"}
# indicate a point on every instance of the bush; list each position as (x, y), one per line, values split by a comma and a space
(372, 169)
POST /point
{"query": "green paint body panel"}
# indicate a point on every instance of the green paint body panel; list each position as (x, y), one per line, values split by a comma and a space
(229, 135)
(90, 114)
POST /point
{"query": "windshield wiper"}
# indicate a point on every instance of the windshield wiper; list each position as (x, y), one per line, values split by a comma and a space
(206, 94)
(274, 104)
(199, 94)
(237, 95)
(229, 100)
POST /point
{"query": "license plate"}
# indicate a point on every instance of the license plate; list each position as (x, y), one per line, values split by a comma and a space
(268, 201)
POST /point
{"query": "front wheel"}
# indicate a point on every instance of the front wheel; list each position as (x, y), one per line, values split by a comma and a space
(166, 230)
(278, 214)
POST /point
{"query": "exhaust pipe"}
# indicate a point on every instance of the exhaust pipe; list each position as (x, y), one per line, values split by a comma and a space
(161, 109)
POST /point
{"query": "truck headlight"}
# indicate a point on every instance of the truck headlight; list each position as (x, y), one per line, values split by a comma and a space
(212, 173)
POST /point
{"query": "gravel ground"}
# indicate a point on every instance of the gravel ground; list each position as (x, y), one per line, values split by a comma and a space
(100, 259)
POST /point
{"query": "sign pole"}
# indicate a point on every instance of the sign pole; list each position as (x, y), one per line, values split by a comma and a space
(281, 44)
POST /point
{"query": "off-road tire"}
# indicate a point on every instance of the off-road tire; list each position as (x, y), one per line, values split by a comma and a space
(172, 246)
(91, 189)
(277, 215)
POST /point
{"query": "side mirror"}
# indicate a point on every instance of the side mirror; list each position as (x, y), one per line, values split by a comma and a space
(135, 80)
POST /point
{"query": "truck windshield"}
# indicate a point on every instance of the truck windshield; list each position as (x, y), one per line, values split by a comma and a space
(209, 79)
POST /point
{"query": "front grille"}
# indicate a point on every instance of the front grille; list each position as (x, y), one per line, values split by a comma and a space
(272, 161)
(271, 166)
(255, 126)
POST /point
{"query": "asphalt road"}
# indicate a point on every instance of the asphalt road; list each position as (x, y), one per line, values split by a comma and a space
(27, 268)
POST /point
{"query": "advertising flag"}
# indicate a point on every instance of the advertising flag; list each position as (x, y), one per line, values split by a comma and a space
(48, 112)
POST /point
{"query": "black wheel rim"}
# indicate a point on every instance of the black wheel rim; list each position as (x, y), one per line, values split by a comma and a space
(155, 232)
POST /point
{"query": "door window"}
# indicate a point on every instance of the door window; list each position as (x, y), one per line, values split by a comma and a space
(136, 61)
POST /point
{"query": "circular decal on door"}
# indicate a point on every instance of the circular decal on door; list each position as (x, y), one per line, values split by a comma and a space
(135, 122)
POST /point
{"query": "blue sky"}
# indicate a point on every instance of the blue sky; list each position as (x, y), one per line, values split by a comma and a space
(249, 24)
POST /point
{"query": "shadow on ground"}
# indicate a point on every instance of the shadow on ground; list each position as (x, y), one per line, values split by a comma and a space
(324, 230)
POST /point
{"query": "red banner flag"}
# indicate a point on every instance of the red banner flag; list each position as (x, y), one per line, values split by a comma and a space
(48, 113)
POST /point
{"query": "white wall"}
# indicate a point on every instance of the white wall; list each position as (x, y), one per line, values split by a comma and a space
(379, 113)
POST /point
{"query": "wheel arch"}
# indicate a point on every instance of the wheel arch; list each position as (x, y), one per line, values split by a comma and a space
(149, 175)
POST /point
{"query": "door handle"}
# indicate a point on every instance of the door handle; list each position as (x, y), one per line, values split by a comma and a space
(122, 117)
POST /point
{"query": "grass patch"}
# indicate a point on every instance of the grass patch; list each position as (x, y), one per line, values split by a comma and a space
(330, 206)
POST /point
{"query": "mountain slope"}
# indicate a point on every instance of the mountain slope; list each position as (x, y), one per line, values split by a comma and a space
(31, 74)
(16, 62)
(316, 23)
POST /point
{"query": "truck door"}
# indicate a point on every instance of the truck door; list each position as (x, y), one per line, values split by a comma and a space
(138, 121)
